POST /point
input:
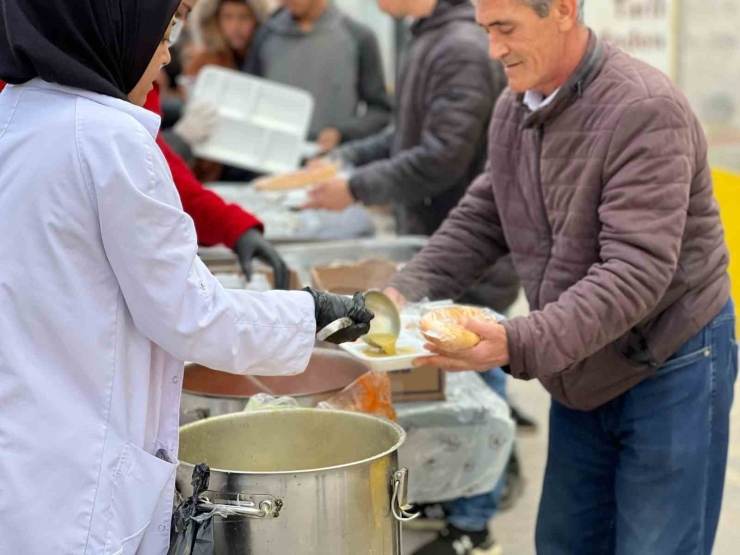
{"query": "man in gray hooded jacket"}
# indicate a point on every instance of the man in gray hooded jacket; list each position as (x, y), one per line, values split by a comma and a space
(312, 45)
(446, 91)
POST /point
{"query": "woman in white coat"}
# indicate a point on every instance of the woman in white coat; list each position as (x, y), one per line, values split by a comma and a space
(102, 295)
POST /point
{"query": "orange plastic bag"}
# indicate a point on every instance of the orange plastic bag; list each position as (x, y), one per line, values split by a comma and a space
(371, 394)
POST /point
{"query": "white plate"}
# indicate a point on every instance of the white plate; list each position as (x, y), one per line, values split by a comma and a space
(389, 364)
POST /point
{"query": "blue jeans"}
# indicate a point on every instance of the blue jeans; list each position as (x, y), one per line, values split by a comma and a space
(644, 474)
(472, 514)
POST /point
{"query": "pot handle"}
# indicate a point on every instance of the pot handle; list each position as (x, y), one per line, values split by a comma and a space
(266, 509)
(399, 505)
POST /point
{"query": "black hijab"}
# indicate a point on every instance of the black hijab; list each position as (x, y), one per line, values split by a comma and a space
(103, 46)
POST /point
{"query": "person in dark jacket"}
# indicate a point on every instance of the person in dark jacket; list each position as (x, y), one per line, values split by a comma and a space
(446, 91)
(312, 45)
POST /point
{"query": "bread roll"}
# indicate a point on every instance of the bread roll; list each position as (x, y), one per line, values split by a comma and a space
(444, 327)
(297, 180)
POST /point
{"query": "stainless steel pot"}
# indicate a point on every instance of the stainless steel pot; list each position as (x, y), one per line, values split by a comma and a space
(299, 482)
(209, 393)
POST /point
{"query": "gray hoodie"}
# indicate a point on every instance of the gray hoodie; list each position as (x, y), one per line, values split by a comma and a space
(338, 62)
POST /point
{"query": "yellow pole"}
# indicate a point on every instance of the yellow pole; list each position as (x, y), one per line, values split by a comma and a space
(727, 192)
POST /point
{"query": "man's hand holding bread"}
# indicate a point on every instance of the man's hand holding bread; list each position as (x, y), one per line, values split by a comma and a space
(461, 338)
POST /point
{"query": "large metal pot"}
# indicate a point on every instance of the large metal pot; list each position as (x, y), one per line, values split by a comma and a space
(299, 481)
(209, 393)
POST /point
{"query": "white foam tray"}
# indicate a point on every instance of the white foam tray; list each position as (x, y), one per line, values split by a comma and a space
(407, 339)
(263, 125)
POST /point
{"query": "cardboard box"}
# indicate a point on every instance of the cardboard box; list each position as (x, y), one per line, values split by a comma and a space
(347, 279)
(295, 279)
(418, 384)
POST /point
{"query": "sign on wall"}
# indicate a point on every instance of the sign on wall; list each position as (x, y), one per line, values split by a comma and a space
(710, 61)
(644, 28)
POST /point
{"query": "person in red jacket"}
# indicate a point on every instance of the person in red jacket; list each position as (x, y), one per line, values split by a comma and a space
(217, 222)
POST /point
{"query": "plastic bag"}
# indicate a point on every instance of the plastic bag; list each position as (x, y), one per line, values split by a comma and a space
(458, 447)
(444, 326)
(371, 394)
(192, 534)
(263, 401)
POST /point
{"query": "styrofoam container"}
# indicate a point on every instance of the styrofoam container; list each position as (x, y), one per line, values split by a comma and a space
(263, 125)
(407, 340)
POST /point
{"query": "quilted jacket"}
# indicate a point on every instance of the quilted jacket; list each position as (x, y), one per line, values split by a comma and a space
(446, 91)
(604, 199)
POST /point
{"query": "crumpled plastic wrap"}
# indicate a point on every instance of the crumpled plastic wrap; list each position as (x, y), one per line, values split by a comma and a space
(263, 401)
(441, 328)
(458, 447)
(413, 312)
(277, 210)
(371, 394)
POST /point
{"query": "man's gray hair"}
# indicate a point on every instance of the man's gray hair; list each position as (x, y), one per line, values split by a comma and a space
(542, 7)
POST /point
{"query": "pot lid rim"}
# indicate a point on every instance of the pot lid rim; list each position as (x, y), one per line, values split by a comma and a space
(393, 449)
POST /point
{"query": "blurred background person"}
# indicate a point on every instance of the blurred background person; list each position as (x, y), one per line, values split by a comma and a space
(446, 91)
(312, 45)
(223, 31)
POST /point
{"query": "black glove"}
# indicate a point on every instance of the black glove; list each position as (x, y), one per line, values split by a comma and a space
(333, 307)
(253, 245)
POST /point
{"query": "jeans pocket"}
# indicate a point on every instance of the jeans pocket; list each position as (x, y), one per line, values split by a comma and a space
(139, 482)
(679, 362)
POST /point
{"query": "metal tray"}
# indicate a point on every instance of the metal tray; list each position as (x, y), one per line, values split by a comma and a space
(303, 257)
(285, 224)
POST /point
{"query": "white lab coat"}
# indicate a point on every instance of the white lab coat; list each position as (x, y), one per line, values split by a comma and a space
(102, 297)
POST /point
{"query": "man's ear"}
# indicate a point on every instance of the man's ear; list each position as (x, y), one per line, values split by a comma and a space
(566, 13)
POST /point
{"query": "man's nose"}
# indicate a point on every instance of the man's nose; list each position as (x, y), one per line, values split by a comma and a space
(497, 50)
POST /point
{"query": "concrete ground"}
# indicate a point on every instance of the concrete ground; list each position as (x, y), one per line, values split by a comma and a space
(515, 529)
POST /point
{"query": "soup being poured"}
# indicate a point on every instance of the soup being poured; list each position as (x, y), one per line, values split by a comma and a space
(373, 352)
(386, 342)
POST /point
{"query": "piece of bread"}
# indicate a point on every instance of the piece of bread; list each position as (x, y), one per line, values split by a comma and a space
(297, 180)
(444, 327)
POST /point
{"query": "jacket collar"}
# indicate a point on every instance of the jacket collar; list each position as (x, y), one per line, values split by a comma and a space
(587, 70)
(149, 120)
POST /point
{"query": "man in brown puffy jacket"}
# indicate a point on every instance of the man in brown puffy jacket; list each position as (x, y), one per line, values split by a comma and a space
(599, 187)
